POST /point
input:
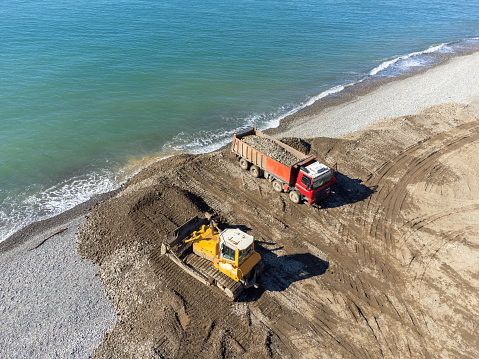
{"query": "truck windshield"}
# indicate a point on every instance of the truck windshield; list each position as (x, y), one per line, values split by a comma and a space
(244, 253)
(321, 180)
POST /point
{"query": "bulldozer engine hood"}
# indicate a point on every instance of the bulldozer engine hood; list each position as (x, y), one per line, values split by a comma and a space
(236, 239)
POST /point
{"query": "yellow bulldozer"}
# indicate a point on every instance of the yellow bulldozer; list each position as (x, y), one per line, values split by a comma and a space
(224, 258)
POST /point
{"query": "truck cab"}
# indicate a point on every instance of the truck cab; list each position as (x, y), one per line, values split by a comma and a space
(314, 181)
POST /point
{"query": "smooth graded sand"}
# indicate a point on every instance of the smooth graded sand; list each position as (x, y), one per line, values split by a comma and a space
(455, 81)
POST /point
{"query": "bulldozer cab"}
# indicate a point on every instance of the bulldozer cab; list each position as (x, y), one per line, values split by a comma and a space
(235, 245)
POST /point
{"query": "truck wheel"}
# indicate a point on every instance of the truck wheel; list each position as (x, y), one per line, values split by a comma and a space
(277, 186)
(244, 164)
(254, 171)
(295, 197)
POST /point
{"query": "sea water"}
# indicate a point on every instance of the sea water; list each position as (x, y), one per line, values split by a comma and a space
(88, 87)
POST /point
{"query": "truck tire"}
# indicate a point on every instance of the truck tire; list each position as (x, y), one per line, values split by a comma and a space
(277, 186)
(255, 172)
(243, 163)
(295, 197)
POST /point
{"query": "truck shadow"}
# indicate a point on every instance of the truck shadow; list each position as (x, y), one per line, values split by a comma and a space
(281, 271)
(346, 190)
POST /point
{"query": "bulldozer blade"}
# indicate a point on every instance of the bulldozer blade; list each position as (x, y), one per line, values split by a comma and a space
(176, 241)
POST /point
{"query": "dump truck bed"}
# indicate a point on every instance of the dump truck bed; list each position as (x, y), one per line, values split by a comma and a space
(270, 154)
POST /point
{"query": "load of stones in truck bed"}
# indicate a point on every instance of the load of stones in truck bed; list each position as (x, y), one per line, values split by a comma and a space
(271, 149)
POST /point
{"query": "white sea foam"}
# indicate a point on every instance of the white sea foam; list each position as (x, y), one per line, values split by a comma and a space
(19, 211)
(331, 91)
(211, 140)
(387, 64)
(207, 141)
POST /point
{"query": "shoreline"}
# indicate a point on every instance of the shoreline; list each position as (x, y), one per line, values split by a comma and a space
(34, 229)
(365, 98)
(295, 124)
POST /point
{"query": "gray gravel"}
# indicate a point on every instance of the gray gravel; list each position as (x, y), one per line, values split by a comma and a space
(52, 303)
(271, 149)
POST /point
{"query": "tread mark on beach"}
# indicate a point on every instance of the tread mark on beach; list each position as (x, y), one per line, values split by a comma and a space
(418, 161)
(46, 239)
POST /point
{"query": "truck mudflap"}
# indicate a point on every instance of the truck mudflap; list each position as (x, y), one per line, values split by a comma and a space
(335, 173)
(322, 194)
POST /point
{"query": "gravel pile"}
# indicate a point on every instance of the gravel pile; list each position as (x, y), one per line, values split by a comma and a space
(52, 303)
(271, 149)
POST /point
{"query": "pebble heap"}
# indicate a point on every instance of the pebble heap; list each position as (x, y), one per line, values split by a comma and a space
(271, 149)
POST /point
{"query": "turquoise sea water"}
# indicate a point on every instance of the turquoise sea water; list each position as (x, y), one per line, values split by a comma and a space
(88, 86)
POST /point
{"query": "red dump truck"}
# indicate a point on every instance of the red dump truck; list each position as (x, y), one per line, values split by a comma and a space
(289, 170)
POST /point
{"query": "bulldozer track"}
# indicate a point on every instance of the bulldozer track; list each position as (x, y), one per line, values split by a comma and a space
(205, 304)
(194, 294)
(207, 268)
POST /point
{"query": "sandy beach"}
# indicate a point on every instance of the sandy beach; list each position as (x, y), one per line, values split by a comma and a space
(387, 267)
(454, 81)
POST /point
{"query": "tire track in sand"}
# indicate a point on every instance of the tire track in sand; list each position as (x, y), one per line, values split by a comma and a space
(411, 166)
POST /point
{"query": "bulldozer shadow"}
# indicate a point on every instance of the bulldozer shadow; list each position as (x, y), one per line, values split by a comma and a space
(347, 190)
(281, 271)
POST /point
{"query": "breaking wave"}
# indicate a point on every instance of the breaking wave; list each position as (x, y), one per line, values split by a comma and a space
(38, 204)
